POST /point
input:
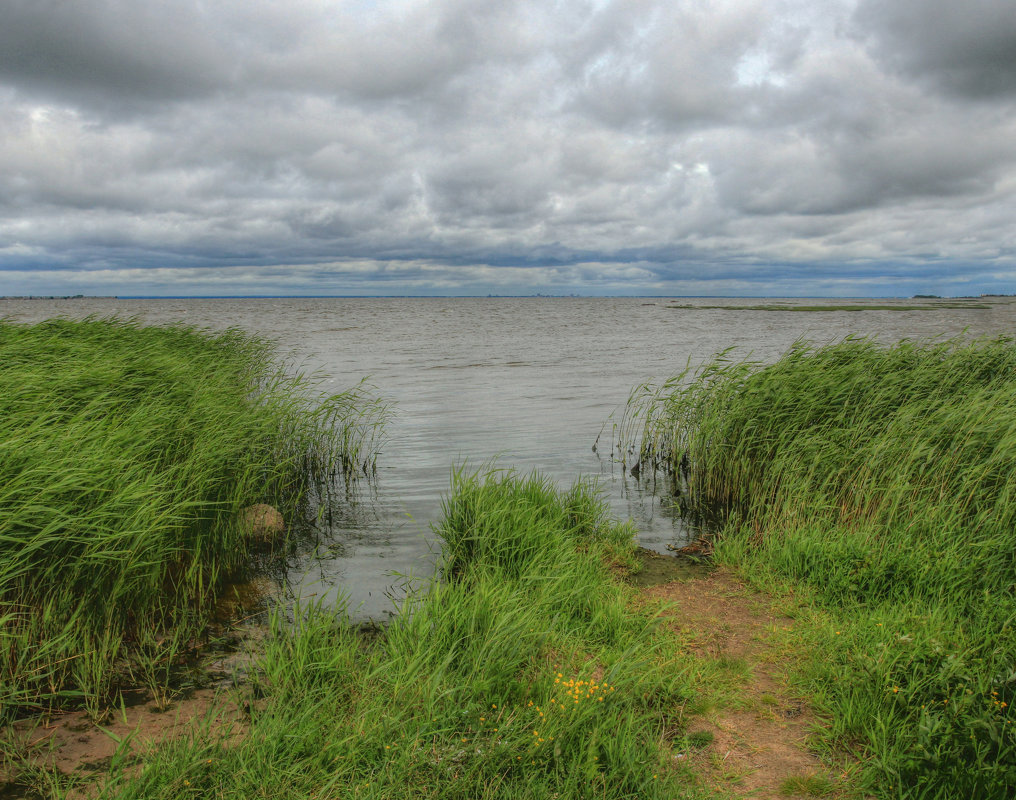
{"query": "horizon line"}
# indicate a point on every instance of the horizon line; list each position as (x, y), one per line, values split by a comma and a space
(491, 297)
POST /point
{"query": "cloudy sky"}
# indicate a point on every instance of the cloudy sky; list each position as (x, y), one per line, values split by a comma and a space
(362, 147)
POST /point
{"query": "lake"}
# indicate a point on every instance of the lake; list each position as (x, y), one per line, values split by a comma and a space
(522, 383)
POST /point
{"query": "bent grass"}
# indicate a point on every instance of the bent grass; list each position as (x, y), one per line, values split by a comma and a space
(525, 672)
(878, 483)
(126, 453)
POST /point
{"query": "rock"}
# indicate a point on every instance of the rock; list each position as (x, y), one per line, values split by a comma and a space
(701, 547)
(262, 521)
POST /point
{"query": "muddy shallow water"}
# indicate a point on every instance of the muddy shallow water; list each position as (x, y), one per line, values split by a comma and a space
(524, 383)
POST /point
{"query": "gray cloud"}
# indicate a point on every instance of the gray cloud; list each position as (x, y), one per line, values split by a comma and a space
(968, 49)
(480, 145)
(104, 50)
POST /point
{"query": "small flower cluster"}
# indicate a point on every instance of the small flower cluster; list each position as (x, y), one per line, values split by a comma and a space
(579, 690)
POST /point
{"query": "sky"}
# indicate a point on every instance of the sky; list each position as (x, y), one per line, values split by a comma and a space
(473, 147)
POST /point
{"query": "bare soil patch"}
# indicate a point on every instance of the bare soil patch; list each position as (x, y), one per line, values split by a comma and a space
(70, 741)
(760, 741)
(72, 744)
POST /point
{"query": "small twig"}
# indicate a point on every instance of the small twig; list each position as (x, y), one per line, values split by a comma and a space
(42, 738)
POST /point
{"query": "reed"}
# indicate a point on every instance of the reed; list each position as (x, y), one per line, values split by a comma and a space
(126, 455)
(525, 673)
(881, 482)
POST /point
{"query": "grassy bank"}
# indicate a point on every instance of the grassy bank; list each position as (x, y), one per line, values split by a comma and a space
(126, 456)
(879, 483)
(525, 673)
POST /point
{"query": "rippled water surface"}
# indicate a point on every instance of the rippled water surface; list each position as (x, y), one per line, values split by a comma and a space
(528, 382)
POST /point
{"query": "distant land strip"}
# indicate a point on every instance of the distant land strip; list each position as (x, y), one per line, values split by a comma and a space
(853, 307)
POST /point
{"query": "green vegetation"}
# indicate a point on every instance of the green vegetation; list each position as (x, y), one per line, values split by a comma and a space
(126, 455)
(525, 673)
(807, 786)
(840, 307)
(879, 484)
(700, 738)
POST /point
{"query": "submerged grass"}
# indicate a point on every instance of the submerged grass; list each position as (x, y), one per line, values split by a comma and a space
(524, 673)
(881, 483)
(126, 455)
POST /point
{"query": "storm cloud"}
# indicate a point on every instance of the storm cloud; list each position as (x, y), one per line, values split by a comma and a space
(472, 147)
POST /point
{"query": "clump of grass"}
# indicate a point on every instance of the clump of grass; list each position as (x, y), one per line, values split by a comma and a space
(881, 481)
(524, 673)
(126, 455)
(700, 739)
(807, 786)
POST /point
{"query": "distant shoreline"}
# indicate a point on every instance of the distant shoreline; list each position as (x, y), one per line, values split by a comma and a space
(490, 297)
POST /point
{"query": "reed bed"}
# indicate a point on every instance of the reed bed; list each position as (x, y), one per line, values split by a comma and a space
(126, 455)
(880, 482)
(524, 673)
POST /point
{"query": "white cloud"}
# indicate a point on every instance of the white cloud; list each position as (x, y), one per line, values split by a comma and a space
(485, 145)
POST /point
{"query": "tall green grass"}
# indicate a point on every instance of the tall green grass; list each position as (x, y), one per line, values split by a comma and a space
(126, 455)
(524, 673)
(882, 480)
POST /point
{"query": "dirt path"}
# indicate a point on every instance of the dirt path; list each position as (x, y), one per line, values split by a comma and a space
(758, 747)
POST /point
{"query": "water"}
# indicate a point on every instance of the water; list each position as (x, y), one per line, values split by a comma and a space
(526, 383)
